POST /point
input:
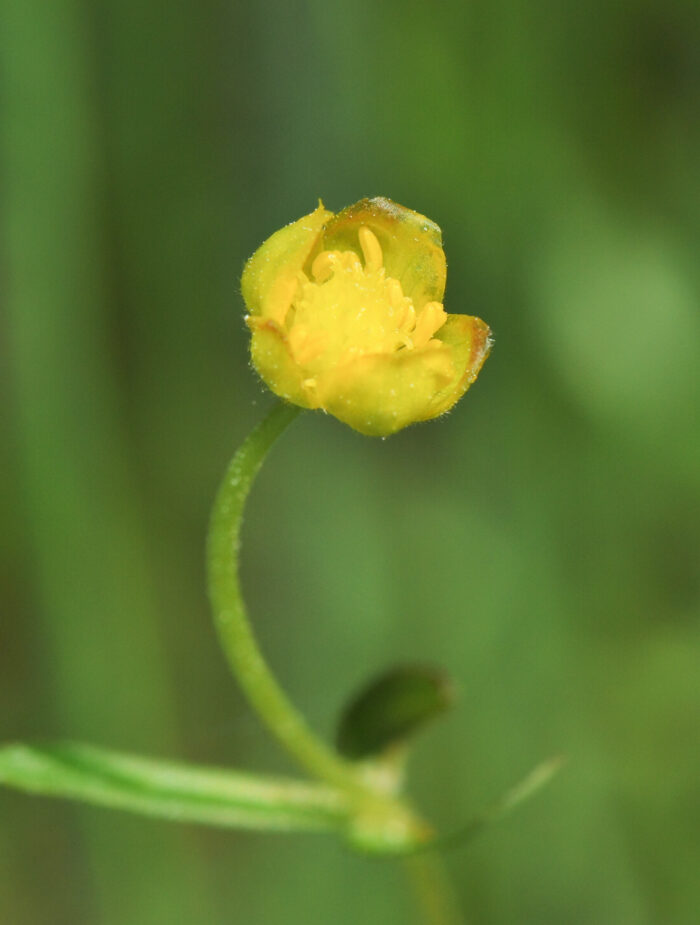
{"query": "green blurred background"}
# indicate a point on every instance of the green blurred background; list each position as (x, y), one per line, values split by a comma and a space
(542, 542)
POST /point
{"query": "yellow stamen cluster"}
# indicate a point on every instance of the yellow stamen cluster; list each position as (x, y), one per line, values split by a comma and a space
(347, 310)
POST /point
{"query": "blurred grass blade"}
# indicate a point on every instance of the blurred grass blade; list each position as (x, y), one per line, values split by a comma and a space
(391, 708)
(168, 790)
(538, 778)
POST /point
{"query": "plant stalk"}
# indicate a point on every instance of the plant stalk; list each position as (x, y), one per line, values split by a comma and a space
(433, 889)
(231, 619)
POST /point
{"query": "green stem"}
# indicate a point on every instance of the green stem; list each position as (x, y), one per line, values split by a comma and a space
(232, 623)
(434, 889)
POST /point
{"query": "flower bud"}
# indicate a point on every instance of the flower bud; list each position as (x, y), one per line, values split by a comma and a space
(346, 315)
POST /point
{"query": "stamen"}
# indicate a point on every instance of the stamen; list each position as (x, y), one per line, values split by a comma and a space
(394, 291)
(371, 250)
(406, 321)
(404, 313)
(322, 267)
(431, 318)
(350, 262)
(350, 307)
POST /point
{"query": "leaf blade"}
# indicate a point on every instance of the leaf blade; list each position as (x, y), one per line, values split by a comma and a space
(170, 790)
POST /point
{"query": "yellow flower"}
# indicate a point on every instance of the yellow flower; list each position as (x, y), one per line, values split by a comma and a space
(346, 315)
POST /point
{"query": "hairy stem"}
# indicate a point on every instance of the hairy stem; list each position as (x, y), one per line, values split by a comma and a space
(231, 619)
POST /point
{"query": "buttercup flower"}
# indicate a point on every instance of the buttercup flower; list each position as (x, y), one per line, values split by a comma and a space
(346, 315)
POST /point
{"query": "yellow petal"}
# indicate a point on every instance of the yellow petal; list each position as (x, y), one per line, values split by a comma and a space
(379, 394)
(469, 340)
(410, 243)
(270, 276)
(272, 359)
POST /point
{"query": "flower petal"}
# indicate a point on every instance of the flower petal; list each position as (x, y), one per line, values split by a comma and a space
(469, 340)
(410, 242)
(379, 394)
(272, 359)
(270, 276)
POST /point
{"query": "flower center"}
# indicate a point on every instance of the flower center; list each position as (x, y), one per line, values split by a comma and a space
(348, 310)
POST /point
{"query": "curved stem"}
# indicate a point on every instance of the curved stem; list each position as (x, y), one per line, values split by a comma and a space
(232, 623)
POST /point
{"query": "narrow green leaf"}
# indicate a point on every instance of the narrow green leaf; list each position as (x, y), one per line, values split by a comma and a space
(391, 708)
(530, 785)
(170, 790)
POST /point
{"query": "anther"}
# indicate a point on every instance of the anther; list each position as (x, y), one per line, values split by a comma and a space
(350, 262)
(394, 291)
(322, 267)
(406, 316)
(431, 318)
(371, 250)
